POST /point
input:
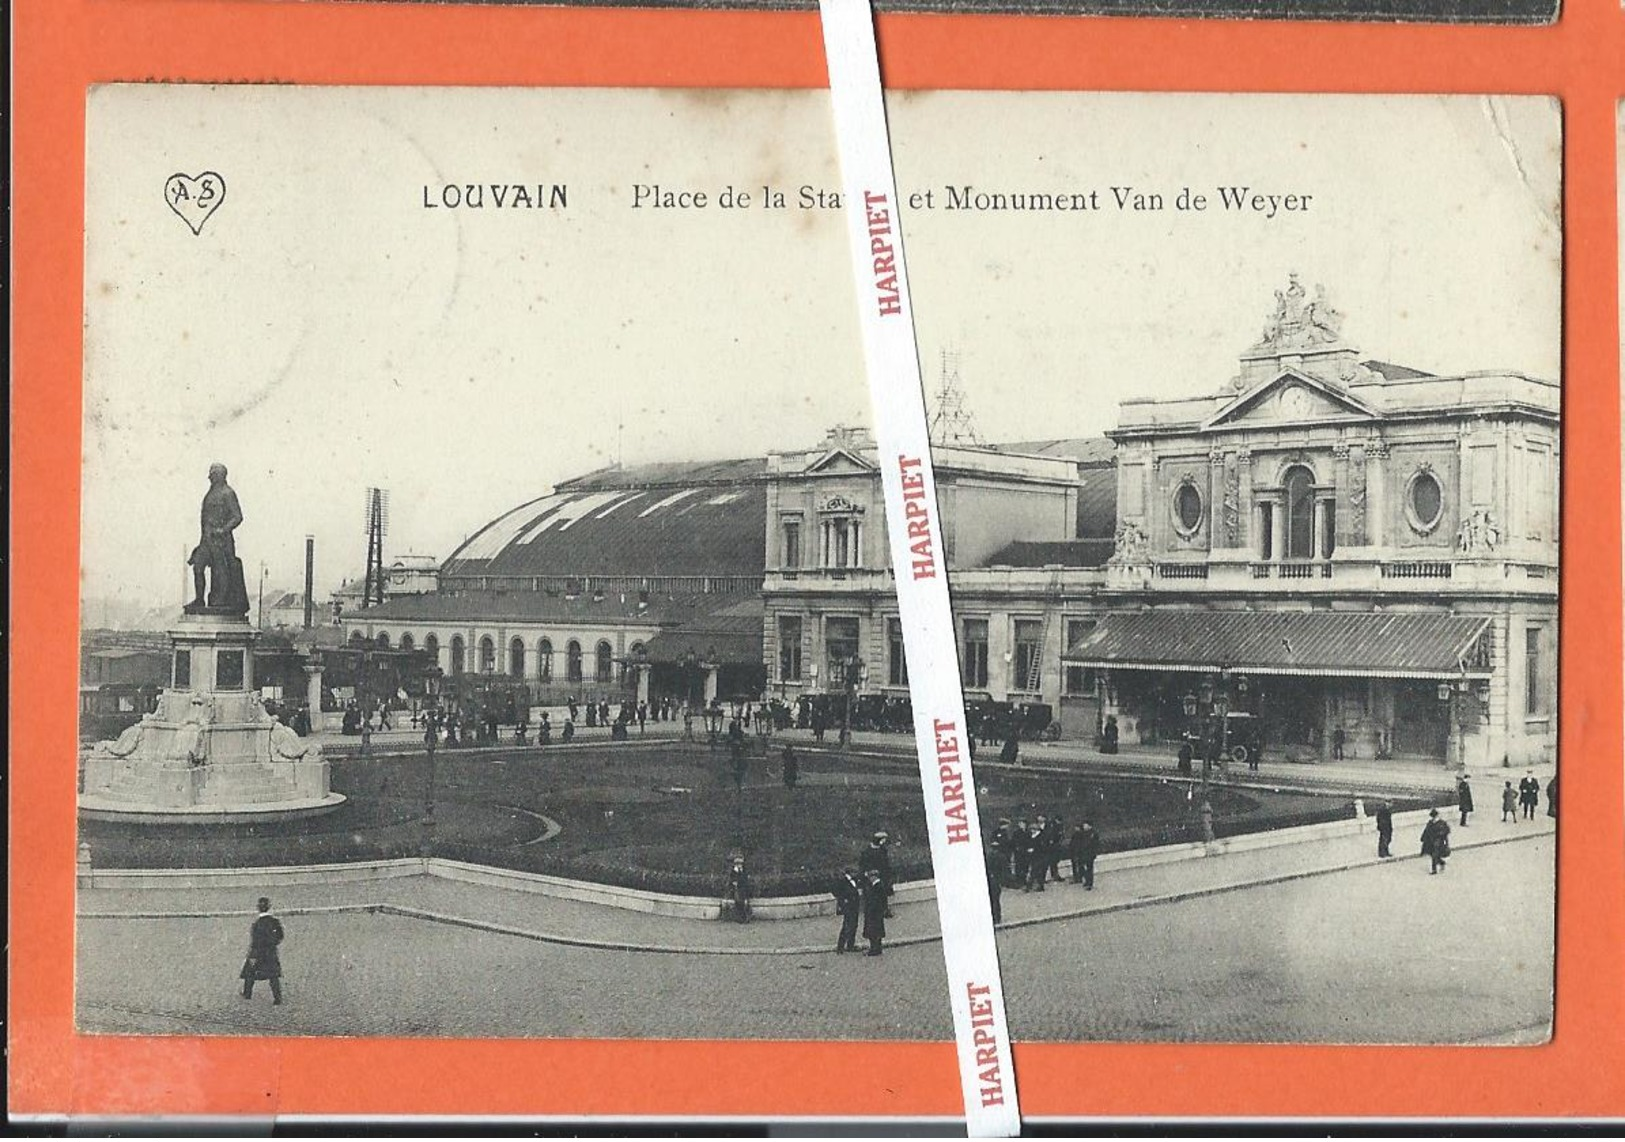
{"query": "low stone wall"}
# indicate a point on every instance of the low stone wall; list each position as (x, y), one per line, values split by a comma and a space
(664, 904)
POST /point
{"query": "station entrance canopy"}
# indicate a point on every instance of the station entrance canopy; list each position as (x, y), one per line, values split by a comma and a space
(1329, 644)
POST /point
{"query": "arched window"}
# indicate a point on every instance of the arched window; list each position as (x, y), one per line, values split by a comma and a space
(604, 667)
(383, 639)
(457, 653)
(407, 642)
(516, 658)
(1299, 488)
(356, 638)
(488, 655)
(431, 647)
(572, 661)
(634, 650)
(544, 660)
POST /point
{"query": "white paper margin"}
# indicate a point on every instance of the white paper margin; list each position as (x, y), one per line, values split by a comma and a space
(891, 355)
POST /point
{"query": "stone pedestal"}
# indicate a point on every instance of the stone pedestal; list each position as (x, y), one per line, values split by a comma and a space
(209, 753)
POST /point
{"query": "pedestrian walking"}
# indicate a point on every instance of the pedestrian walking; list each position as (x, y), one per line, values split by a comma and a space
(1385, 828)
(1509, 803)
(876, 858)
(875, 911)
(1529, 794)
(1551, 798)
(263, 961)
(1085, 847)
(1338, 739)
(1464, 798)
(848, 892)
(1185, 754)
(643, 715)
(1436, 841)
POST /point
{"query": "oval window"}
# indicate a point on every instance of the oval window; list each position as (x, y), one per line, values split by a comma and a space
(1188, 507)
(1427, 500)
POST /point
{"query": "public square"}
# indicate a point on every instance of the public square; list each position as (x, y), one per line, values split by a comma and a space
(1305, 940)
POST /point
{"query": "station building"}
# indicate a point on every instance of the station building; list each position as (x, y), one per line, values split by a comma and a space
(642, 580)
(1352, 550)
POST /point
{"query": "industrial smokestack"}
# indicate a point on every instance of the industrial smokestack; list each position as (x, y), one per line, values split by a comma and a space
(310, 579)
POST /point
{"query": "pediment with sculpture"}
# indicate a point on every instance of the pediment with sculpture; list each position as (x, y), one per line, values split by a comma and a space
(1292, 397)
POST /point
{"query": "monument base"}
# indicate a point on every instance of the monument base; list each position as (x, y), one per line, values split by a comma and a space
(209, 754)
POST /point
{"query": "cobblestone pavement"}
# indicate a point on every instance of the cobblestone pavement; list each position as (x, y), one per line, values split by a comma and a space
(1373, 953)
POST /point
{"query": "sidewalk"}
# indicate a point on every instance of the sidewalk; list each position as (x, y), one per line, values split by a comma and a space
(1352, 778)
(568, 922)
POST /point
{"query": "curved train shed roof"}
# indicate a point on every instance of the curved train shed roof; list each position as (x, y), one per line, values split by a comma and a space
(700, 519)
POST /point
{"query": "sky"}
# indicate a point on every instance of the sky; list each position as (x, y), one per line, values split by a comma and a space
(325, 331)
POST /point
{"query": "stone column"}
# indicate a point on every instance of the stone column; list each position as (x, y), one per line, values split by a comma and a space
(313, 696)
(643, 670)
(712, 675)
(1340, 493)
(1376, 494)
(1317, 531)
(1277, 511)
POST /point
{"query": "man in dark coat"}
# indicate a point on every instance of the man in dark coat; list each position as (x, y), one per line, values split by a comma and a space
(876, 858)
(1529, 794)
(1085, 846)
(792, 767)
(1055, 846)
(1385, 828)
(1185, 754)
(848, 891)
(1464, 798)
(1021, 851)
(997, 866)
(1038, 839)
(1551, 798)
(874, 912)
(263, 961)
(1436, 840)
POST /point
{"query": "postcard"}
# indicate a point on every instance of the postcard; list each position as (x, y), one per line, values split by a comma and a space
(488, 629)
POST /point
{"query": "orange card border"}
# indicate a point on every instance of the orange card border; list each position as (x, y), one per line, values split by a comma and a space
(63, 46)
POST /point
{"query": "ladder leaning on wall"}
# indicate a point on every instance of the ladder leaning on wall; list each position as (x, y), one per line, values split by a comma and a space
(1034, 682)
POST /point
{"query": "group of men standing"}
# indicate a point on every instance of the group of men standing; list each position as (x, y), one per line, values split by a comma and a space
(864, 892)
(1029, 854)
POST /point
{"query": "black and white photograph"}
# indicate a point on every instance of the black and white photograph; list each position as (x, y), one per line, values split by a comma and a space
(487, 622)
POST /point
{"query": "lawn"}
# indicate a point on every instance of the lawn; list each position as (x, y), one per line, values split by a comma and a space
(667, 816)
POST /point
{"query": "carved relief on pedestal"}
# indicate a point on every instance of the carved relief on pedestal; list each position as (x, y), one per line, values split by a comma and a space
(1357, 491)
(1232, 503)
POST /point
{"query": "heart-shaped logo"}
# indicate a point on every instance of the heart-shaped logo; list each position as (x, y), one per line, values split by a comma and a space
(194, 199)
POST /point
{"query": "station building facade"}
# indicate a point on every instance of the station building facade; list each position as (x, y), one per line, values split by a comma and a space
(1359, 553)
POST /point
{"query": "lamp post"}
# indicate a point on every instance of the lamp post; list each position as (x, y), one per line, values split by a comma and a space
(363, 682)
(432, 685)
(853, 672)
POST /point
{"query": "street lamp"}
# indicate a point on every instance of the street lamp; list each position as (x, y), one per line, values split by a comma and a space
(853, 673)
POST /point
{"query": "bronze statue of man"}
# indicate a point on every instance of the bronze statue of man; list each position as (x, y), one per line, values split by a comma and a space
(216, 551)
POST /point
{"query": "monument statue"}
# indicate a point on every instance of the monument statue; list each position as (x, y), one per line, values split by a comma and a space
(216, 552)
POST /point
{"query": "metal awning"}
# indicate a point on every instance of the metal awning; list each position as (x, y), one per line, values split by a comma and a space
(1358, 645)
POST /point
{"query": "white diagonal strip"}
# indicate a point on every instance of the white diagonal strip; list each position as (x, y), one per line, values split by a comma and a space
(891, 357)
